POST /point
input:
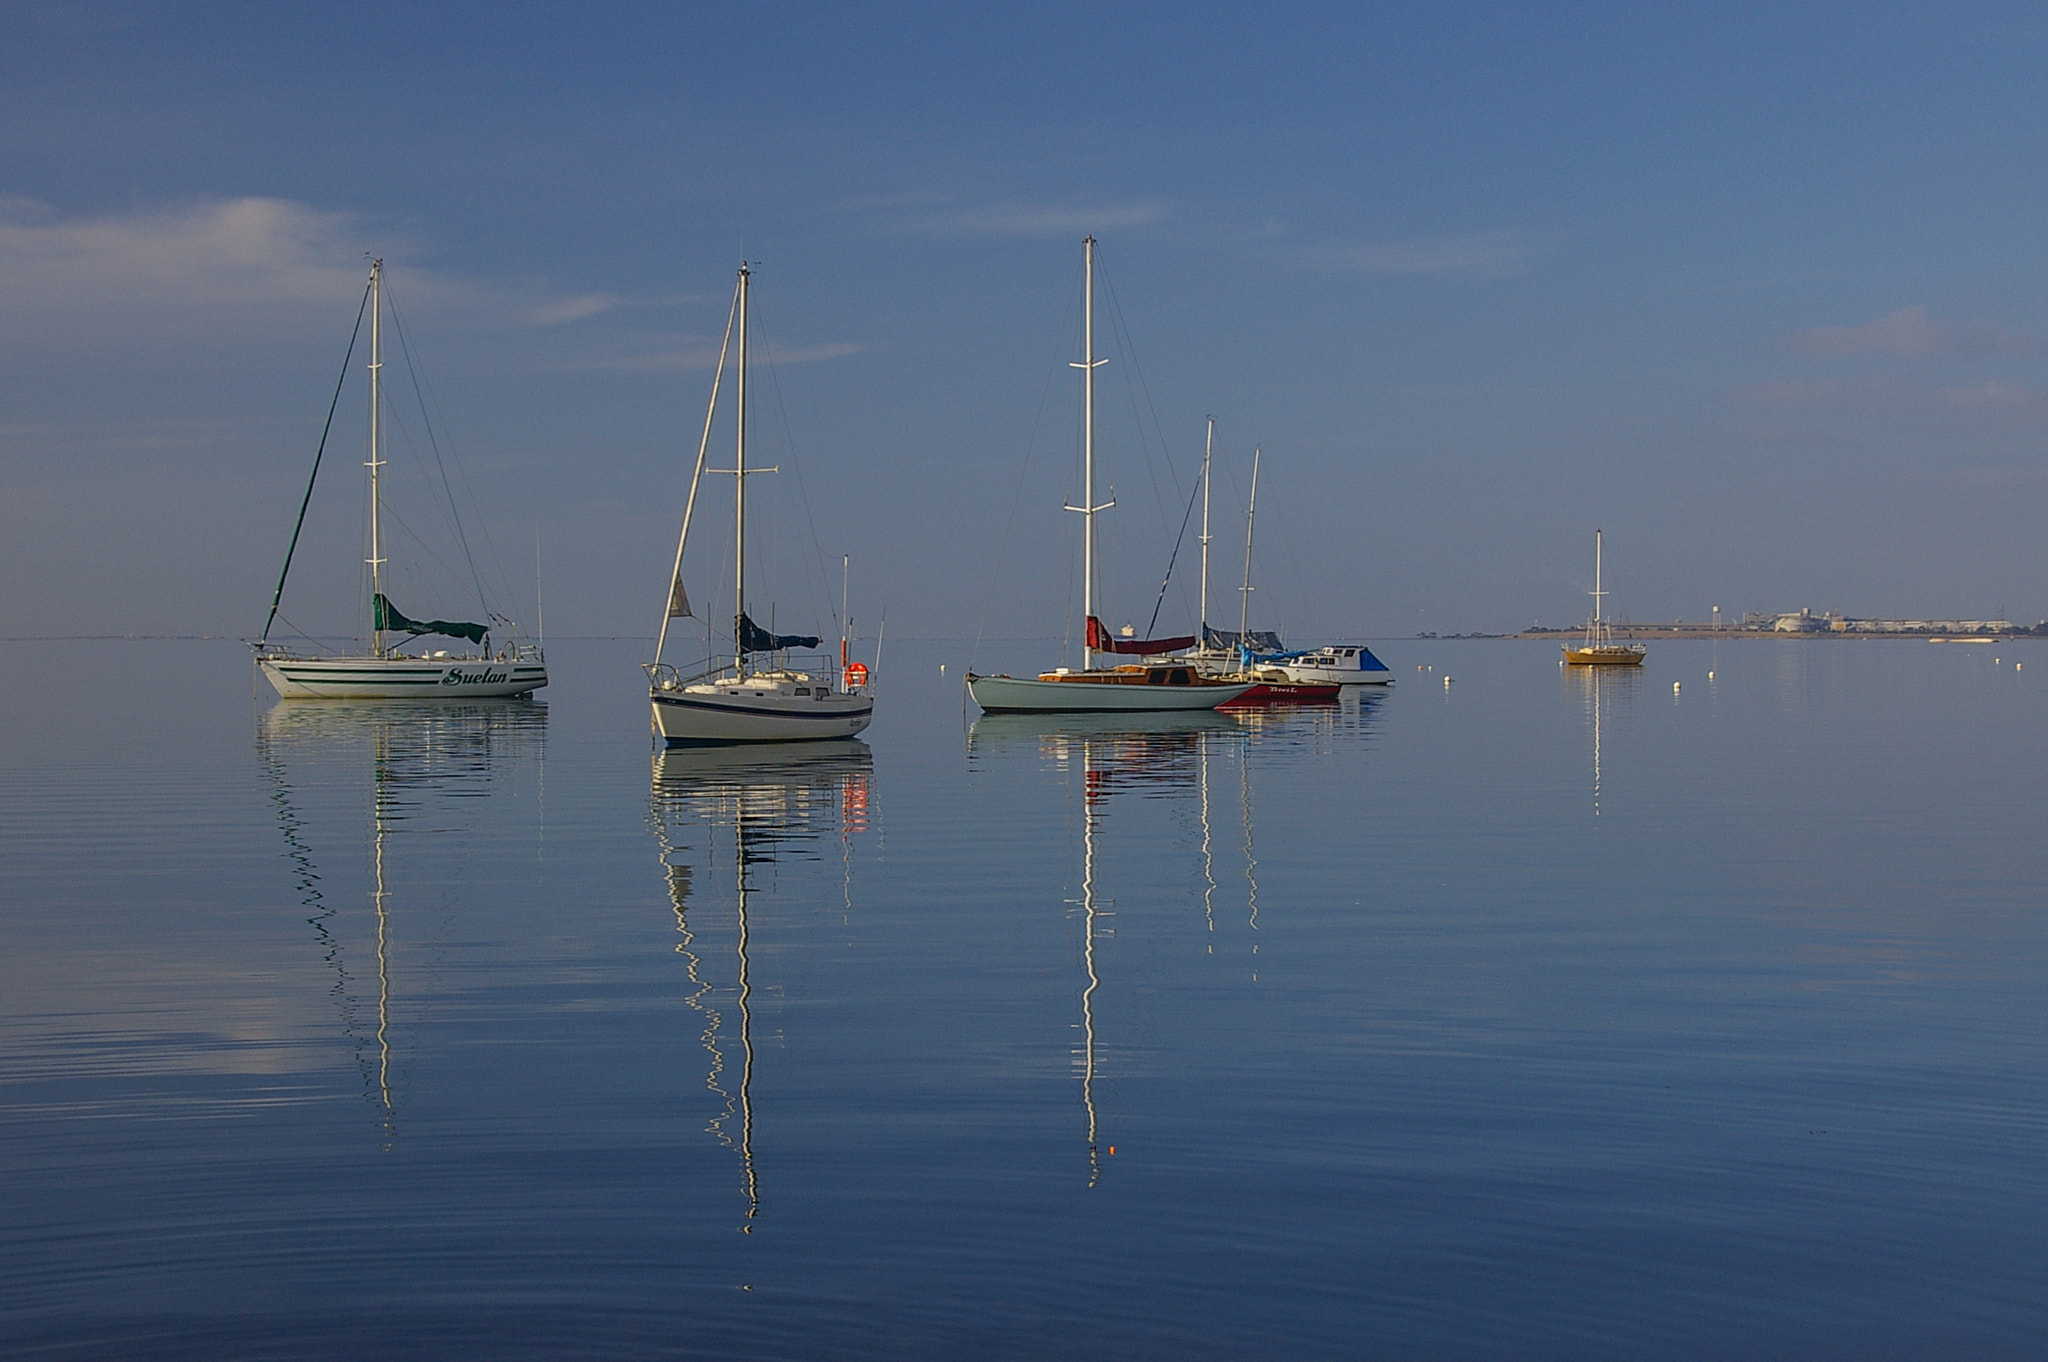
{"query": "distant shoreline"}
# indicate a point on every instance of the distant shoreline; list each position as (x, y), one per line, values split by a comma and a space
(1675, 631)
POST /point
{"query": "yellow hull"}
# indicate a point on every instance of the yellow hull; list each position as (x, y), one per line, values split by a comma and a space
(1607, 655)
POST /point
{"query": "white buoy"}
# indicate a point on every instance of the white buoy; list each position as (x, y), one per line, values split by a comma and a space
(1674, 688)
(942, 669)
(1447, 683)
(1710, 676)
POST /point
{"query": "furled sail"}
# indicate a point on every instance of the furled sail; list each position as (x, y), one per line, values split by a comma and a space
(1257, 640)
(755, 639)
(385, 615)
(1102, 641)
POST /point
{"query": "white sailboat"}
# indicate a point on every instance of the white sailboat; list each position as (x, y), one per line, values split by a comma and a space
(1159, 683)
(1599, 648)
(387, 671)
(745, 700)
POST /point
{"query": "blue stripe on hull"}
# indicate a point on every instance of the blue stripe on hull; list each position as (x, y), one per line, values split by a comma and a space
(753, 711)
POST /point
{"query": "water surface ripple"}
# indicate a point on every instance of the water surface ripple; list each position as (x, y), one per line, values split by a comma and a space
(1536, 1015)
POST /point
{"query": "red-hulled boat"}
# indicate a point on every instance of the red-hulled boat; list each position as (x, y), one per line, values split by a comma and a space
(1286, 693)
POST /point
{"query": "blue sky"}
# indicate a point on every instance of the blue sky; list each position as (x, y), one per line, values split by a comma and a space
(1759, 291)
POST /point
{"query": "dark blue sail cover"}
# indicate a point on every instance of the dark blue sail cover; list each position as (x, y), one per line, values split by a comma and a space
(385, 615)
(1258, 640)
(755, 639)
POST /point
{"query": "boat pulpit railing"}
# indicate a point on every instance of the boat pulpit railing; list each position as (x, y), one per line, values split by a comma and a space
(661, 676)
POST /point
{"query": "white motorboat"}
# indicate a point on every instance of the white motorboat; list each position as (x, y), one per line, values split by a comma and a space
(387, 672)
(1162, 683)
(1344, 664)
(746, 699)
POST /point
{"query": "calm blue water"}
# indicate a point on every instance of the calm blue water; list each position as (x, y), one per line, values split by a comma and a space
(1539, 1016)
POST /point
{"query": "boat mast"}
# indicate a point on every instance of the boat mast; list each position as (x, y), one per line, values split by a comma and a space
(1244, 608)
(376, 460)
(739, 571)
(1597, 592)
(1208, 446)
(696, 480)
(1088, 508)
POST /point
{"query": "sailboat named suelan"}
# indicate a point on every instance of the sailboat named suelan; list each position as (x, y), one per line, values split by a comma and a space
(1599, 648)
(1158, 684)
(742, 702)
(385, 672)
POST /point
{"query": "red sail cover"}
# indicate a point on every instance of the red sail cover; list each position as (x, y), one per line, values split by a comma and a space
(1102, 641)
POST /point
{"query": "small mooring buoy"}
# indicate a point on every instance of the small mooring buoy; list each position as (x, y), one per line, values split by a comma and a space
(1447, 683)
(1674, 688)
(1710, 676)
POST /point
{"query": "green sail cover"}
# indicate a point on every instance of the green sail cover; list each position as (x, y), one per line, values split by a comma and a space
(385, 615)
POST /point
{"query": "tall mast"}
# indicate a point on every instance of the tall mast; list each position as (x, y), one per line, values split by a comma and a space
(376, 460)
(1244, 608)
(739, 572)
(1208, 446)
(1597, 592)
(1088, 508)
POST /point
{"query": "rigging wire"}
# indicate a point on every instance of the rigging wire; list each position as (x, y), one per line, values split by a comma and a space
(1177, 541)
(803, 492)
(434, 443)
(1024, 466)
(278, 595)
(1120, 335)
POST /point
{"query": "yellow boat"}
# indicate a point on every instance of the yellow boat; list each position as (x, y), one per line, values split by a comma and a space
(1599, 648)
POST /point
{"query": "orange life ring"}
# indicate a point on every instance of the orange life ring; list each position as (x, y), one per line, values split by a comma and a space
(856, 674)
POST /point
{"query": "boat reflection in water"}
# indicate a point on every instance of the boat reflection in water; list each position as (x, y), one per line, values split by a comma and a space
(421, 760)
(1171, 756)
(1600, 689)
(721, 813)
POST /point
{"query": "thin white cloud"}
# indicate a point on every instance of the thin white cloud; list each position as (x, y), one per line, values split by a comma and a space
(2014, 398)
(573, 309)
(1824, 394)
(1891, 399)
(248, 269)
(706, 356)
(208, 255)
(1013, 219)
(1481, 255)
(1912, 332)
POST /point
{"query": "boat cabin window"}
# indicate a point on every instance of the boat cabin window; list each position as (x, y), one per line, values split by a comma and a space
(1171, 676)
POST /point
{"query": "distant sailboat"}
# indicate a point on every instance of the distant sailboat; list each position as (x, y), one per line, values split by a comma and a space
(1599, 648)
(1156, 684)
(387, 672)
(744, 701)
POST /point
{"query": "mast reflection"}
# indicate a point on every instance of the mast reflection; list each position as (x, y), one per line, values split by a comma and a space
(766, 805)
(1600, 689)
(418, 755)
(1169, 756)
(1159, 754)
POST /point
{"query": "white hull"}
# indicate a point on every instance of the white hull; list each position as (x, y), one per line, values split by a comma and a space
(402, 678)
(1009, 695)
(1336, 676)
(718, 715)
